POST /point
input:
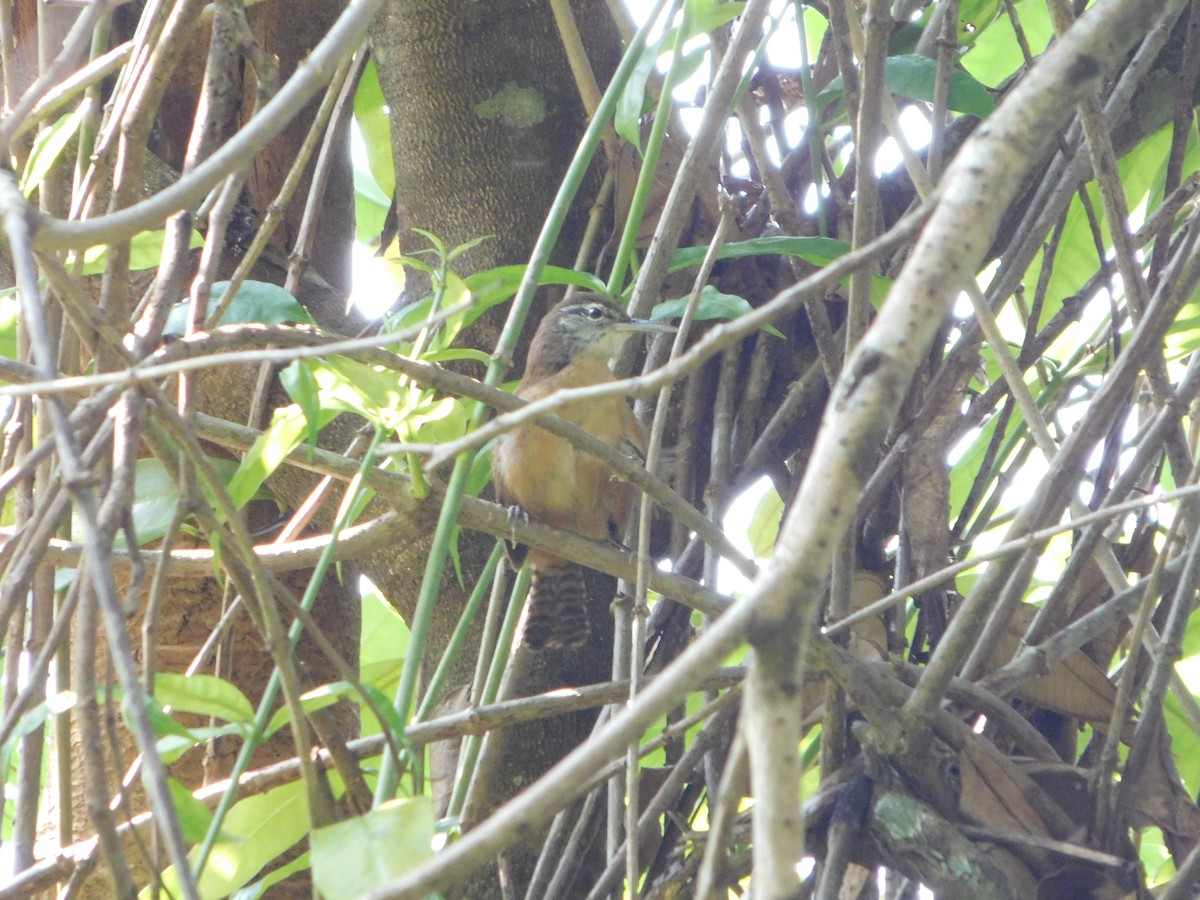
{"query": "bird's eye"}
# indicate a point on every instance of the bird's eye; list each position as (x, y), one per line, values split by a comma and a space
(595, 312)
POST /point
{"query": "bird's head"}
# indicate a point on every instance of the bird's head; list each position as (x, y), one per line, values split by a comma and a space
(584, 324)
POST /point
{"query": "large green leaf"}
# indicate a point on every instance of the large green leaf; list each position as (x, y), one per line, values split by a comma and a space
(275, 876)
(913, 76)
(370, 208)
(384, 633)
(995, 54)
(351, 386)
(258, 830)
(255, 301)
(763, 529)
(47, 148)
(713, 304)
(819, 251)
(1077, 258)
(301, 385)
(205, 695)
(353, 857)
(194, 816)
(156, 498)
(8, 323)
(374, 124)
(627, 118)
(707, 15)
(287, 429)
(145, 252)
(973, 17)
(31, 722)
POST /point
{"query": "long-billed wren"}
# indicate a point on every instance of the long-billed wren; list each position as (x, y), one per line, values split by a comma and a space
(551, 480)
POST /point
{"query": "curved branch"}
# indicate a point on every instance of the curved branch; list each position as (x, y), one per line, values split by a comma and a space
(310, 77)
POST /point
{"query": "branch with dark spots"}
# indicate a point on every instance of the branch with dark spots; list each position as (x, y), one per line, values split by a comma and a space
(861, 366)
(1084, 69)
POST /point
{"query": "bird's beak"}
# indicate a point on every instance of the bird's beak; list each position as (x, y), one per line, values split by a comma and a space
(646, 325)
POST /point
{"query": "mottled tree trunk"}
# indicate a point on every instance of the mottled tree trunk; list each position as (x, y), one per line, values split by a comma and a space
(486, 117)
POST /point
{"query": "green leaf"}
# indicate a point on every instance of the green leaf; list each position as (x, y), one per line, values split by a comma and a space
(456, 293)
(172, 747)
(8, 323)
(408, 316)
(1076, 258)
(374, 125)
(708, 15)
(205, 695)
(995, 54)
(384, 674)
(712, 305)
(287, 429)
(301, 385)
(905, 37)
(819, 251)
(350, 386)
(47, 148)
(691, 62)
(145, 252)
(352, 858)
(913, 76)
(31, 722)
(438, 421)
(268, 881)
(457, 354)
(384, 633)
(255, 301)
(313, 700)
(469, 245)
(974, 16)
(259, 829)
(161, 722)
(194, 816)
(329, 694)
(156, 498)
(815, 28)
(439, 248)
(627, 118)
(419, 264)
(763, 529)
(1185, 744)
(386, 709)
(481, 471)
(371, 207)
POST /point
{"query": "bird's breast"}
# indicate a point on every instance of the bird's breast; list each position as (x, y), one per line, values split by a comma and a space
(563, 486)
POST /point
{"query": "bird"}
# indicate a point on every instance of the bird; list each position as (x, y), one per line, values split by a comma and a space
(545, 477)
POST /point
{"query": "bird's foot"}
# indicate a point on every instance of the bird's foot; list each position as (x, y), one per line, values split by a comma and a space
(621, 602)
(627, 602)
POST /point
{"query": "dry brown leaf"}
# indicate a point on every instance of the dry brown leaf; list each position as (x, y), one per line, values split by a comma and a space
(1076, 686)
(990, 797)
(1157, 796)
(868, 639)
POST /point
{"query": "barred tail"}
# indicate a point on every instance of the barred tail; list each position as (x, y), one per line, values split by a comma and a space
(557, 614)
